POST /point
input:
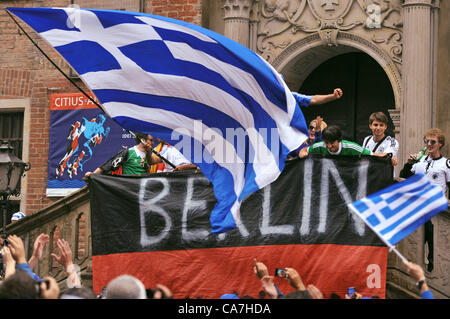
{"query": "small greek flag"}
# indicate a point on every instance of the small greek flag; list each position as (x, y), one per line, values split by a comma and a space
(398, 210)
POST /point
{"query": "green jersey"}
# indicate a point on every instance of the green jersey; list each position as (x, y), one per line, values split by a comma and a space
(132, 165)
(345, 148)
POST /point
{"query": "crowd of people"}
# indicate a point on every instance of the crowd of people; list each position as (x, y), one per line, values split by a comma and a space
(20, 281)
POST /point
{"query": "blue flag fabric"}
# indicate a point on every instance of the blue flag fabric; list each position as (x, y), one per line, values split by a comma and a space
(223, 106)
(398, 210)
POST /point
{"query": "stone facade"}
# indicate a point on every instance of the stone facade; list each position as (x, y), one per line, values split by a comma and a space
(407, 38)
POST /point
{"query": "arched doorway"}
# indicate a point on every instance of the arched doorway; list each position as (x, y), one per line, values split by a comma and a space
(366, 87)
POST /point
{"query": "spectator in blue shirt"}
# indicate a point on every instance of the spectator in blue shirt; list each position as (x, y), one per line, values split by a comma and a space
(418, 274)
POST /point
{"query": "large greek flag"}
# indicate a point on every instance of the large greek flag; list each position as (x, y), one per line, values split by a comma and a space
(223, 106)
(398, 210)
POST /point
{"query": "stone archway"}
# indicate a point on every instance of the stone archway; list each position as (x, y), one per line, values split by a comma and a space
(298, 60)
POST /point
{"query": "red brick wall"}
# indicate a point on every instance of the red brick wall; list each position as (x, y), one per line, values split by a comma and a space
(26, 73)
(186, 10)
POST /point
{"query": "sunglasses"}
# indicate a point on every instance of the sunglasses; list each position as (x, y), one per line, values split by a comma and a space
(312, 127)
(431, 141)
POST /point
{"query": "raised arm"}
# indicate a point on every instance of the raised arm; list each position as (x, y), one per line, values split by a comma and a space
(321, 99)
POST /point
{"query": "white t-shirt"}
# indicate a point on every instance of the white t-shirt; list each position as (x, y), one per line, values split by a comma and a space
(174, 156)
(437, 170)
(389, 145)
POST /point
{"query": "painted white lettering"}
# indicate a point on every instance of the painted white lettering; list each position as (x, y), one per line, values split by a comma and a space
(150, 206)
(328, 168)
(307, 192)
(266, 228)
(374, 279)
(191, 205)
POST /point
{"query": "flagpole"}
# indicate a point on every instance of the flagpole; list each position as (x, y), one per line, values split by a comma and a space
(403, 258)
(54, 64)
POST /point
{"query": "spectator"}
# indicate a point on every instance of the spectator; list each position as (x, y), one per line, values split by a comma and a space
(9, 262)
(125, 287)
(437, 169)
(293, 278)
(379, 142)
(15, 244)
(78, 293)
(307, 100)
(133, 161)
(315, 135)
(261, 271)
(418, 274)
(19, 286)
(174, 156)
(433, 165)
(17, 216)
(161, 292)
(333, 144)
(38, 249)
(66, 261)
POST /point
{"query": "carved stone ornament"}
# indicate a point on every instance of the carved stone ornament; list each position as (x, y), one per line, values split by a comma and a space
(379, 21)
(330, 13)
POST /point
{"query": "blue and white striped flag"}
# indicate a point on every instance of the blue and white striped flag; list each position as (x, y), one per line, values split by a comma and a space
(178, 81)
(398, 210)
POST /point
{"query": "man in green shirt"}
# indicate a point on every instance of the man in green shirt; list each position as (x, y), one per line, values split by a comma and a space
(132, 161)
(333, 144)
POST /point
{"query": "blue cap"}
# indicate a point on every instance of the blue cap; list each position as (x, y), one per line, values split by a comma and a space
(17, 216)
(229, 296)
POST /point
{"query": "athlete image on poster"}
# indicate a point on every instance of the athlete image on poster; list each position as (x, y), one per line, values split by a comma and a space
(81, 138)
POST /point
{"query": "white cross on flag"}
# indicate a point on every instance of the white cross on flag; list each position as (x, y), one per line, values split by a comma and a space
(398, 210)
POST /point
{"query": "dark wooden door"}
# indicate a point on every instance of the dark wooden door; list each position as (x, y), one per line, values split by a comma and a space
(366, 90)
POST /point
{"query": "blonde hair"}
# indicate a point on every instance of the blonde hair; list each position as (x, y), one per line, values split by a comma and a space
(436, 132)
(323, 125)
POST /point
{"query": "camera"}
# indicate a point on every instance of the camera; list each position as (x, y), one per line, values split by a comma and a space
(279, 272)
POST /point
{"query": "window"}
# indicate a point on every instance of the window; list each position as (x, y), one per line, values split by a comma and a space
(11, 130)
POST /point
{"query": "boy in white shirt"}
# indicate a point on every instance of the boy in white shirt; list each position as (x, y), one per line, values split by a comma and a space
(379, 142)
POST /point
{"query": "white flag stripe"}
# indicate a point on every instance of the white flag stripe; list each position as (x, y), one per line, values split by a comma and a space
(121, 58)
(405, 190)
(239, 79)
(393, 219)
(434, 205)
(129, 34)
(170, 85)
(171, 26)
(373, 208)
(162, 84)
(176, 121)
(376, 207)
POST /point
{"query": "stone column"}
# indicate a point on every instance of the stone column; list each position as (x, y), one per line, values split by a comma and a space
(417, 71)
(237, 20)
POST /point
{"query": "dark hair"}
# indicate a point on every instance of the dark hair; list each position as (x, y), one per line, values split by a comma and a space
(81, 292)
(332, 133)
(298, 294)
(19, 286)
(140, 136)
(378, 116)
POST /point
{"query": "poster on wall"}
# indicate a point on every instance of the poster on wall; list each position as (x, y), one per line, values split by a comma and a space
(81, 138)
